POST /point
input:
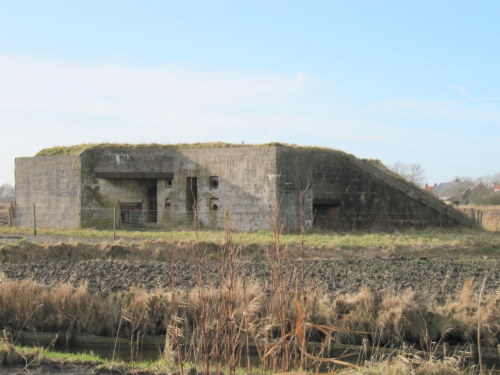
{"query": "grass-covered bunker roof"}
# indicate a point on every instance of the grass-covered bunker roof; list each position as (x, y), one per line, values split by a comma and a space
(78, 149)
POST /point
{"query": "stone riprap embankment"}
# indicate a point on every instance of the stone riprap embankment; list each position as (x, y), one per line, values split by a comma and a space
(442, 276)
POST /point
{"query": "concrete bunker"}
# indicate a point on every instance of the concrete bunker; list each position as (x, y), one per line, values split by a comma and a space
(191, 194)
(327, 214)
(165, 185)
(135, 194)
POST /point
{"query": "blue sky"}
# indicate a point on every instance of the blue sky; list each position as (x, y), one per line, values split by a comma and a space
(401, 81)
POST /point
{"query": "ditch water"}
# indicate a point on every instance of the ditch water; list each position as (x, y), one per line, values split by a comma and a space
(119, 349)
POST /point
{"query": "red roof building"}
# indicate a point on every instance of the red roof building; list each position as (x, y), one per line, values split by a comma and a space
(430, 187)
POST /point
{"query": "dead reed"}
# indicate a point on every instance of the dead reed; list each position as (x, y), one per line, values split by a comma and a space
(412, 365)
(219, 321)
(213, 322)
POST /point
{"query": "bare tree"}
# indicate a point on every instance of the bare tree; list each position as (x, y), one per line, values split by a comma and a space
(6, 193)
(412, 172)
(490, 180)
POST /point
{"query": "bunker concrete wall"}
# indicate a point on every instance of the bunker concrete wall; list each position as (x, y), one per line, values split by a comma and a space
(52, 183)
(100, 195)
(251, 183)
(246, 183)
(367, 196)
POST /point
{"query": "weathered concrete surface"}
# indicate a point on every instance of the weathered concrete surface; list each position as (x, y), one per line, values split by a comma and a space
(246, 183)
(53, 184)
(358, 194)
(308, 186)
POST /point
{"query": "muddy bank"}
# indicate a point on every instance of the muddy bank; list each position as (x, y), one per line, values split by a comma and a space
(444, 276)
(47, 370)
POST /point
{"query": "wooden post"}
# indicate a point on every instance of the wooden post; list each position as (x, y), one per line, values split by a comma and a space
(446, 349)
(365, 348)
(137, 339)
(474, 353)
(10, 216)
(405, 349)
(34, 220)
(69, 338)
(114, 222)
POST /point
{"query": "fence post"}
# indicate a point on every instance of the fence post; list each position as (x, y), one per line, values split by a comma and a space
(474, 353)
(446, 349)
(11, 215)
(405, 350)
(114, 223)
(34, 220)
(365, 348)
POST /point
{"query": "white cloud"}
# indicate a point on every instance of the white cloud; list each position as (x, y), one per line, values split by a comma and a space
(163, 95)
(295, 84)
(461, 90)
(47, 102)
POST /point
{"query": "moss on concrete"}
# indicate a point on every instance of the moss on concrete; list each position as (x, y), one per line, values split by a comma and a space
(78, 149)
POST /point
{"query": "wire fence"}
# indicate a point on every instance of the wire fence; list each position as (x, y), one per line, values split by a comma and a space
(128, 217)
(488, 217)
(133, 217)
(5, 215)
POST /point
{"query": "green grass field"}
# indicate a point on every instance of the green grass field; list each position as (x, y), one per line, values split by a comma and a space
(427, 242)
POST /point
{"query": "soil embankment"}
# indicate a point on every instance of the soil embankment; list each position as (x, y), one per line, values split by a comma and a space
(442, 276)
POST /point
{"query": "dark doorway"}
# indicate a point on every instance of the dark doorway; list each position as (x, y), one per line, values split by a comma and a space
(131, 213)
(327, 214)
(152, 208)
(191, 193)
(152, 214)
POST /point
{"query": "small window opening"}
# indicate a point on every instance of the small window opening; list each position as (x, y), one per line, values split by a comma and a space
(168, 203)
(214, 204)
(214, 182)
(168, 183)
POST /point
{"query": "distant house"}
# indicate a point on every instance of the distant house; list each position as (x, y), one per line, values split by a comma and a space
(496, 188)
(459, 192)
(446, 191)
(430, 187)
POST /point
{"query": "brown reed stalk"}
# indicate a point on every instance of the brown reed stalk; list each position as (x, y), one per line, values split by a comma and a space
(230, 252)
(479, 301)
(199, 257)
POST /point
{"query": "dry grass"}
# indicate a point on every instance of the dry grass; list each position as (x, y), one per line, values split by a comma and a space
(4, 214)
(209, 323)
(9, 355)
(77, 149)
(413, 365)
(24, 251)
(392, 364)
(221, 321)
(387, 319)
(491, 216)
